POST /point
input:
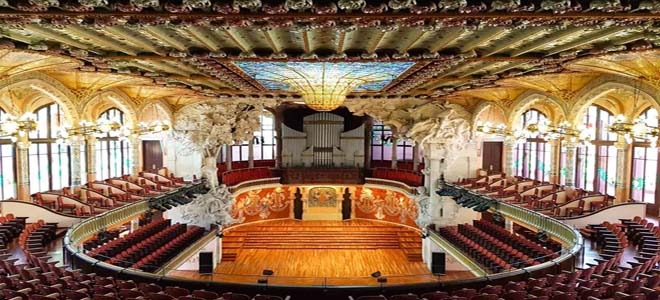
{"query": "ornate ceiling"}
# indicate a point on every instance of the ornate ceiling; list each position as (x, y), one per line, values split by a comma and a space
(461, 51)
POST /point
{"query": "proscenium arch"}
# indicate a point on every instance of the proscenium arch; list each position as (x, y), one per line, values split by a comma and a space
(606, 84)
(100, 102)
(554, 112)
(46, 86)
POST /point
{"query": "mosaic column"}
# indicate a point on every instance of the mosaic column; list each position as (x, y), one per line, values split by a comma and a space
(251, 153)
(508, 157)
(91, 158)
(623, 167)
(570, 163)
(394, 162)
(555, 157)
(23, 168)
(415, 157)
(76, 147)
(134, 155)
(228, 158)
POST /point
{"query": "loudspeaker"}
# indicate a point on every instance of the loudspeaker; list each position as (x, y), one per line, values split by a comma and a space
(205, 262)
(438, 263)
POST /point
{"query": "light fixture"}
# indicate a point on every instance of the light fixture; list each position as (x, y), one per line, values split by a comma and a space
(487, 128)
(637, 129)
(546, 131)
(105, 127)
(13, 127)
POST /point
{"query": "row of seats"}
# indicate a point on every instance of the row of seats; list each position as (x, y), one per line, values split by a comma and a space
(400, 165)
(41, 279)
(142, 248)
(10, 228)
(155, 260)
(503, 250)
(408, 177)
(236, 165)
(36, 236)
(479, 253)
(237, 176)
(529, 247)
(118, 245)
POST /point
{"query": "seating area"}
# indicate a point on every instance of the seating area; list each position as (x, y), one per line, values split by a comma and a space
(237, 165)
(400, 165)
(149, 247)
(494, 247)
(237, 176)
(410, 178)
(10, 228)
(550, 199)
(41, 279)
(36, 236)
(609, 278)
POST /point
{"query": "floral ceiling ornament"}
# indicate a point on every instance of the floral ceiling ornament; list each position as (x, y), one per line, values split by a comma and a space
(93, 3)
(145, 3)
(248, 4)
(349, 5)
(197, 3)
(299, 4)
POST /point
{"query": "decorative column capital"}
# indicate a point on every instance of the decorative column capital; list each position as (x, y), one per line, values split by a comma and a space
(23, 145)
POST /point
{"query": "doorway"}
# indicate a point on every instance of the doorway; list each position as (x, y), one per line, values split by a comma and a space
(492, 156)
(152, 155)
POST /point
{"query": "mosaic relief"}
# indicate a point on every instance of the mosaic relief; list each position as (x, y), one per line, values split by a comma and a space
(386, 205)
(261, 204)
(322, 197)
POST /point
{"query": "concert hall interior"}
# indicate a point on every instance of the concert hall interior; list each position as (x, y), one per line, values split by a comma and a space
(329, 149)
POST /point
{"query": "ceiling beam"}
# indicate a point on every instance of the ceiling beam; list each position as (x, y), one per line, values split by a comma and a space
(161, 35)
(197, 34)
(485, 36)
(450, 36)
(413, 41)
(340, 42)
(528, 34)
(271, 42)
(588, 39)
(305, 39)
(129, 35)
(53, 35)
(376, 43)
(547, 39)
(102, 40)
(230, 35)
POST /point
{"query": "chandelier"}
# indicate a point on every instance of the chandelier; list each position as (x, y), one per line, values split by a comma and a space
(543, 130)
(105, 127)
(324, 85)
(639, 129)
(13, 127)
(546, 131)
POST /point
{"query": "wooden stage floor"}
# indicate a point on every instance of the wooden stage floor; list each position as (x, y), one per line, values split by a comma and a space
(322, 253)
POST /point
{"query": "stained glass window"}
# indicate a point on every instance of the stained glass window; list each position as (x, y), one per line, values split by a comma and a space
(532, 159)
(643, 182)
(50, 163)
(381, 145)
(596, 163)
(113, 156)
(7, 167)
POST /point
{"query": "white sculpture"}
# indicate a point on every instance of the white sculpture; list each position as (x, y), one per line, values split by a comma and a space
(423, 201)
(206, 127)
(213, 207)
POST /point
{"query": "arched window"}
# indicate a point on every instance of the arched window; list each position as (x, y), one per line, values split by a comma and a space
(50, 162)
(532, 159)
(7, 166)
(381, 144)
(265, 140)
(596, 163)
(644, 179)
(113, 155)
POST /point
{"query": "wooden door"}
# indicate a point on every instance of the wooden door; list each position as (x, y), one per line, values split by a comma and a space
(152, 155)
(492, 156)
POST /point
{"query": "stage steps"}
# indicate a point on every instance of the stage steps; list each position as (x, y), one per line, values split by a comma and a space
(310, 236)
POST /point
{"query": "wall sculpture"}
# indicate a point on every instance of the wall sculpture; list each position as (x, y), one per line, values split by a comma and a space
(385, 205)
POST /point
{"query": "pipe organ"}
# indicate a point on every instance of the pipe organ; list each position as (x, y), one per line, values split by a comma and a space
(323, 143)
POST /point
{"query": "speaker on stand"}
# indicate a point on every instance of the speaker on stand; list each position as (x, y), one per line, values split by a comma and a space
(438, 263)
(205, 262)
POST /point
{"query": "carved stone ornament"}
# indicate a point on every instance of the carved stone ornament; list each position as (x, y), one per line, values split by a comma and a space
(299, 4)
(145, 3)
(350, 5)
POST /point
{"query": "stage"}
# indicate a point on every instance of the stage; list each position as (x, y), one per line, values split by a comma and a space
(322, 253)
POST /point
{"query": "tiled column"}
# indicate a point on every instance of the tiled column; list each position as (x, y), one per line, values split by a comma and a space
(508, 155)
(22, 168)
(555, 157)
(570, 163)
(415, 157)
(394, 162)
(623, 168)
(76, 147)
(91, 159)
(251, 153)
